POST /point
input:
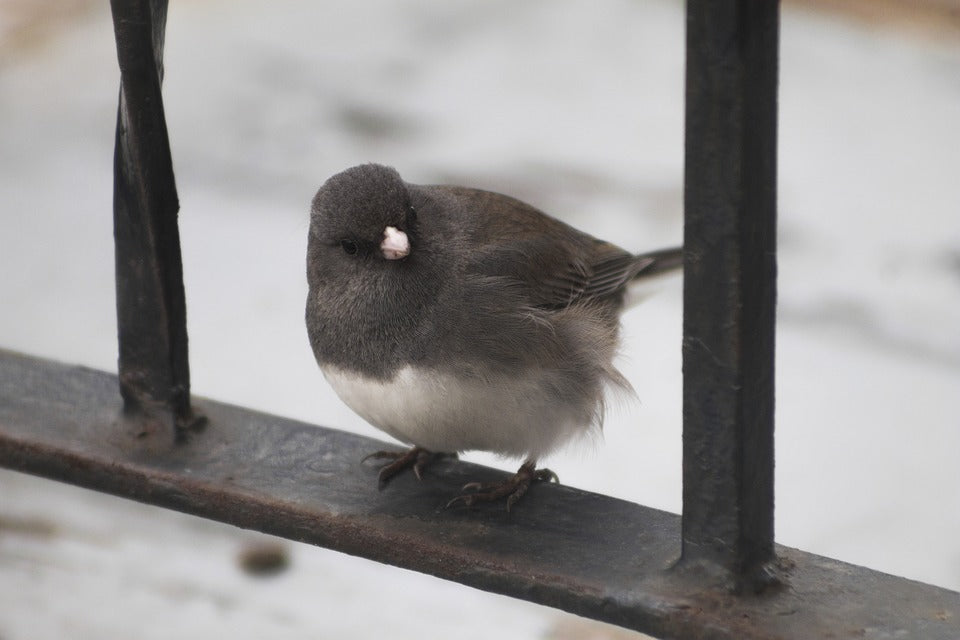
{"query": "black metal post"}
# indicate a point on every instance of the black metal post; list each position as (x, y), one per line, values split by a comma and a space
(151, 312)
(730, 288)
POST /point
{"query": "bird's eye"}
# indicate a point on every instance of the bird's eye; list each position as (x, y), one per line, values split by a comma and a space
(411, 212)
(349, 247)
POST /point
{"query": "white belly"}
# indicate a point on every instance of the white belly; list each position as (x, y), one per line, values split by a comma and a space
(512, 417)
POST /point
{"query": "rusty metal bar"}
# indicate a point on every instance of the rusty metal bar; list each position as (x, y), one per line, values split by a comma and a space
(589, 554)
(151, 311)
(730, 289)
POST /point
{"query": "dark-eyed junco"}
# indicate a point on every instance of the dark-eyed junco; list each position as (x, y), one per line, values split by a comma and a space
(456, 319)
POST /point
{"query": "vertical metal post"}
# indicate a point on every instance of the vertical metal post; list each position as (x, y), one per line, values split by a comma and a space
(151, 311)
(730, 288)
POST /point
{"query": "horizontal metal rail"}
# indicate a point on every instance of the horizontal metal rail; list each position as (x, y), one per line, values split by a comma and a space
(585, 553)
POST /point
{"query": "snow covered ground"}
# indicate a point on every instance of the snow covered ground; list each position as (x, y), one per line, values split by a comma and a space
(577, 110)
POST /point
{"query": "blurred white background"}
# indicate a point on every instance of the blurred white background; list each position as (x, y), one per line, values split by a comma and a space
(573, 108)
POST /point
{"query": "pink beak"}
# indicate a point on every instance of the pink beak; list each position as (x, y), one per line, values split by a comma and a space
(395, 244)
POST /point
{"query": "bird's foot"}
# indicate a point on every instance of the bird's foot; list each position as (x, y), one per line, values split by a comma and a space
(512, 488)
(416, 458)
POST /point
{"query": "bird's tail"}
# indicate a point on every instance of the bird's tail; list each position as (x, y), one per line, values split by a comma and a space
(657, 262)
(651, 265)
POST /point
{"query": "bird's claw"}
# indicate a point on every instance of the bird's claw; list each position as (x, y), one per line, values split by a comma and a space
(416, 459)
(512, 488)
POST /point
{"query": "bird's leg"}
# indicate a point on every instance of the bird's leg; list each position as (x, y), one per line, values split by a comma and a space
(512, 488)
(416, 458)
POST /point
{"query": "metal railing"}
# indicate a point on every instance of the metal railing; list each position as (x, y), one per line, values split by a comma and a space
(714, 573)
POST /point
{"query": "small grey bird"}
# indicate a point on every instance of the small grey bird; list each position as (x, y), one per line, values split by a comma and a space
(456, 319)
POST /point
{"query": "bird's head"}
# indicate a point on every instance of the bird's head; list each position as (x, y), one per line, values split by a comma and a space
(364, 213)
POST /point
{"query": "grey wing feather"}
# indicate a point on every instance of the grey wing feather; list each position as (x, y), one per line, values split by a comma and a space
(556, 264)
